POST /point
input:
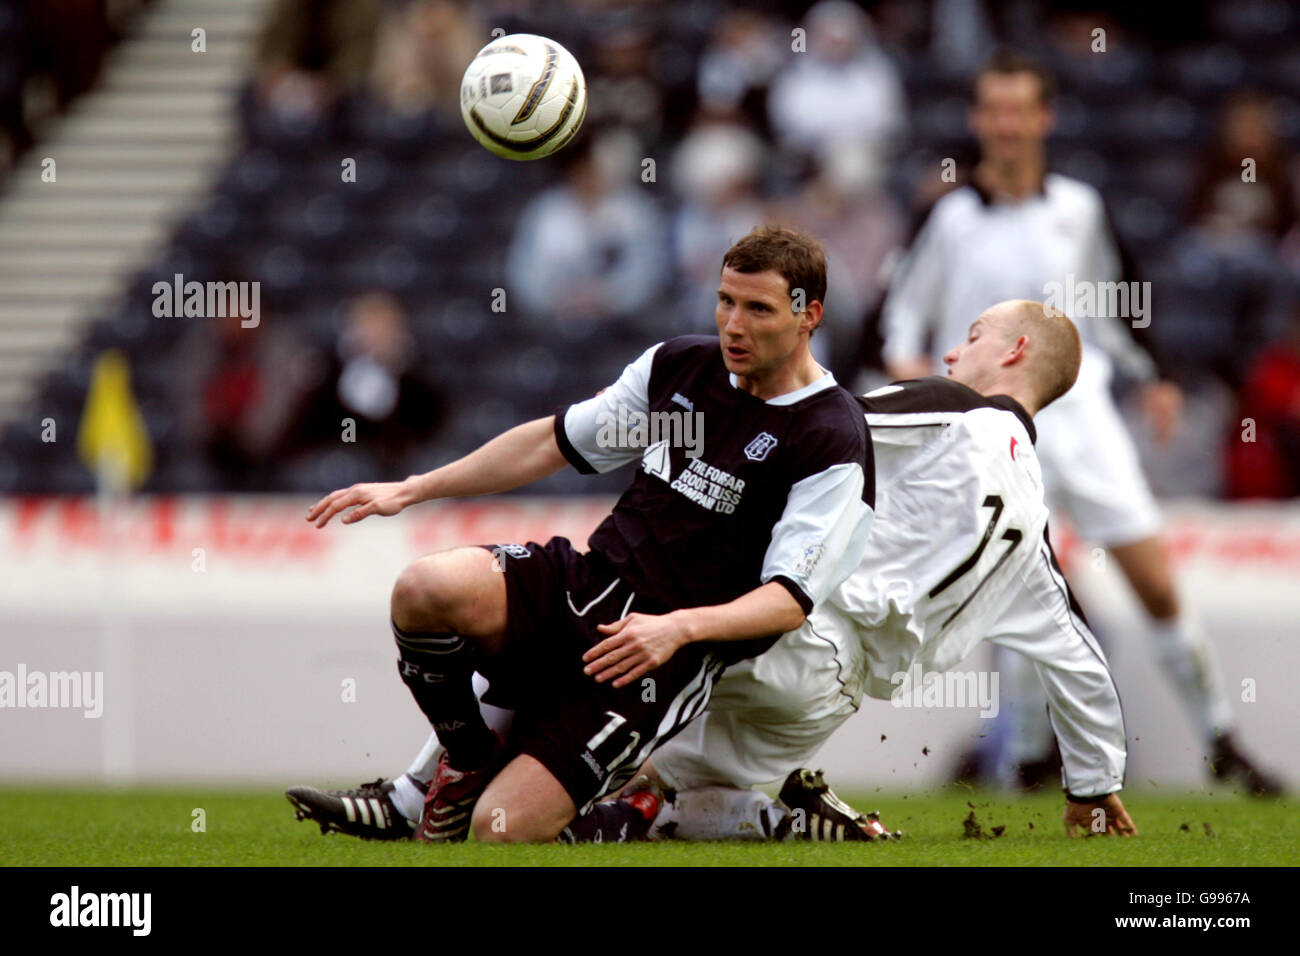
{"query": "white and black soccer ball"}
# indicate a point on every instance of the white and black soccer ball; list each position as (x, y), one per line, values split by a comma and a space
(523, 96)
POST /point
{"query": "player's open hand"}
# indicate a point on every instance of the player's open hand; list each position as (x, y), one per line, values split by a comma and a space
(376, 498)
(1112, 816)
(637, 645)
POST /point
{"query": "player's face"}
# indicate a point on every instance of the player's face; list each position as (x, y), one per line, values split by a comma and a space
(1009, 117)
(976, 361)
(756, 326)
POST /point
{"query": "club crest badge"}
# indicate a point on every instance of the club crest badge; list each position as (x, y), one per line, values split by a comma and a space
(503, 551)
(759, 448)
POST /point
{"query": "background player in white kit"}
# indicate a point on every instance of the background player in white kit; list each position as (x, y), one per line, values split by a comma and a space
(958, 554)
(1008, 234)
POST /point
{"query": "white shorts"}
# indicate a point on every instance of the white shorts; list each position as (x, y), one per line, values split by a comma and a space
(770, 715)
(1090, 466)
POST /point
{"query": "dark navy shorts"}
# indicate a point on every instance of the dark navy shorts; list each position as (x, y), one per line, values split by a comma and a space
(591, 737)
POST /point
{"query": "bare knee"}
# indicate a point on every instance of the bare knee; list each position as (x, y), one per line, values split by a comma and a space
(450, 591)
(1146, 566)
(424, 595)
(1161, 603)
(1154, 587)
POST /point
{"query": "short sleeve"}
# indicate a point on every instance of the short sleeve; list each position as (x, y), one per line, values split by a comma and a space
(821, 535)
(823, 529)
(588, 432)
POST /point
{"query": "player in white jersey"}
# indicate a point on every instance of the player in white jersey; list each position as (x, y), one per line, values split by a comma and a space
(1017, 231)
(958, 554)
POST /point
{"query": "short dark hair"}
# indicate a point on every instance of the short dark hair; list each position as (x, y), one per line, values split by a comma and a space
(1007, 62)
(794, 255)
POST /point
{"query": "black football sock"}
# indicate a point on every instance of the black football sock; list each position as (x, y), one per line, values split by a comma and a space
(439, 671)
(615, 821)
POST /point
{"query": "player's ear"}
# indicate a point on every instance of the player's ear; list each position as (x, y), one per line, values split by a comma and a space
(812, 316)
(1017, 351)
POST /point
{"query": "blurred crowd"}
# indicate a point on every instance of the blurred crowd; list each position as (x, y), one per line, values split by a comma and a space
(704, 120)
(51, 52)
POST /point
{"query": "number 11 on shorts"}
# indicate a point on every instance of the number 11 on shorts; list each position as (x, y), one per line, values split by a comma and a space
(615, 722)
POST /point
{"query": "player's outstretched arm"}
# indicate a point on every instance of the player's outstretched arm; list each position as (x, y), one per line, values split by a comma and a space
(524, 454)
(639, 643)
(1102, 816)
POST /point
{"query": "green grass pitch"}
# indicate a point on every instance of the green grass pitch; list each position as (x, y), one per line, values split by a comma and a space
(149, 827)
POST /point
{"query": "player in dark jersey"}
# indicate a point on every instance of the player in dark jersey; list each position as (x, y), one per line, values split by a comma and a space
(723, 541)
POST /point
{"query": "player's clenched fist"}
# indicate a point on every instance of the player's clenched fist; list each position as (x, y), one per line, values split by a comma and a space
(1099, 816)
(638, 644)
(376, 498)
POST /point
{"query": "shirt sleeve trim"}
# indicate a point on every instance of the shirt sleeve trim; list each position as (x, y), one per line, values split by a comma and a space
(1074, 798)
(796, 592)
(570, 453)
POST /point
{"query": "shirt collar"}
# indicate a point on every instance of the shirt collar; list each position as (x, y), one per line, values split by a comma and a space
(1015, 408)
(986, 197)
(798, 395)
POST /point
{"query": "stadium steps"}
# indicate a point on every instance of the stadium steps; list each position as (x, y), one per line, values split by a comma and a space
(132, 156)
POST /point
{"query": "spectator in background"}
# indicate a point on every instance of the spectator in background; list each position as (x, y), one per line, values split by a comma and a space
(622, 87)
(421, 53)
(1071, 40)
(1231, 302)
(591, 248)
(844, 89)
(846, 206)
(50, 53)
(372, 393)
(1235, 281)
(716, 172)
(1266, 464)
(744, 53)
(1220, 197)
(311, 51)
(234, 398)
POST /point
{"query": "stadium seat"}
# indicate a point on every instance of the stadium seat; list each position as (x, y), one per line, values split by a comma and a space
(1259, 24)
(394, 134)
(1206, 70)
(1090, 165)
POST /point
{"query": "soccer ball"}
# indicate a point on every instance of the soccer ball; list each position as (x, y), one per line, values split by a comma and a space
(523, 96)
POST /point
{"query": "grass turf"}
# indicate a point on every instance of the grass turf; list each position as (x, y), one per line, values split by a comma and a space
(256, 828)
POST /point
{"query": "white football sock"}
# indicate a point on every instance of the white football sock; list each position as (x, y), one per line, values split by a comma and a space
(408, 797)
(1188, 660)
(717, 813)
(426, 761)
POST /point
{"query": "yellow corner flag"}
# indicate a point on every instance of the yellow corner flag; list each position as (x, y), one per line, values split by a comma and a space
(112, 439)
